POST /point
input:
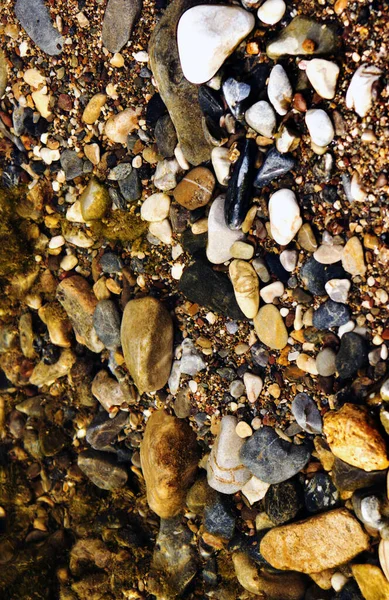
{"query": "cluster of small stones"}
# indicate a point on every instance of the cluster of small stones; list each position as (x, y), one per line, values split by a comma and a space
(194, 362)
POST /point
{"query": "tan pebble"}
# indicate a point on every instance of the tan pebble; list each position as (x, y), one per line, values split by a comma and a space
(94, 200)
(113, 286)
(155, 207)
(117, 60)
(242, 250)
(241, 349)
(93, 109)
(274, 390)
(34, 78)
(272, 291)
(200, 226)
(100, 289)
(58, 325)
(270, 327)
(246, 287)
(195, 189)
(307, 364)
(353, 260)
(249, 219)
(42, 101)
(92, 152)
(340, 6)
(383, 553)
(371, 581)
(120, 125)
(243, 429)
(306, 238)
(254, 385)
(68, 262)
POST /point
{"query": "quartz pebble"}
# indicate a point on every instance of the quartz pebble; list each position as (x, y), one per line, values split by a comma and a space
(328, 254)
(288, 259)
(162, 230)
(338, 289)
(191, 360)
(279, 90)
(242, 250)
(94, 200)
(306, 363)
(284, 212)
(325, 362)
(271, 11)
(220, 236)
(261, 118)
(353, 260)
(319, 126)
(207, 35)
(221, 164)
(225, 471)
(246, 287)
(270, 327)
(93, 108)
(323, 75)
(272, 291)
(254, 385)
(255, 489)
(120, 125)
(359, 94)
(156, 207)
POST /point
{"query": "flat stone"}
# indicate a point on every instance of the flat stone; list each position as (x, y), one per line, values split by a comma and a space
(93, 109)
(236, 94)
(359, 95)
(271, 11)
(35, 19)
(323, 75)
(119, 20)
(103, 430)
(291, 39)
(178, 94)
(246, 287)
(170, 443)
(328, 254)
(94, 200)
(225, 470)
(338, 289)
(352, 355)
(348, 478)
(306, 413)
(156, 207)
(120, 125)
(353, 260)
(102, 470)
(220, 236)
(279, 90)
(325, 362)
(79, 302)
(284, 213)
(147, 342)
(353, 436)
(271, 458)
(274, 165)
(165, 136)
(270, 327)
(131, 187)
(331, 314)
(207, 35)
(371, 581)
(195, 189)
(261, 117)
(319, 126)
(211, 289)
(106, 321)
(283, 501)
(315, 544)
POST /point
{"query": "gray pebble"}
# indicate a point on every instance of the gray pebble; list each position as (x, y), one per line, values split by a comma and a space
(106, 322)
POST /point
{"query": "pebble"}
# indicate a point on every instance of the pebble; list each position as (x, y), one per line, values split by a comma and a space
(320, 493)
(306, 238)
(315, 544)
(109, 392)
(36, 21)
(236, 94)
(272, 291)
(274, 165)
(246, 287)
(207, 35)
(331, 314)
(315, 275)
(71, 164)
(119, 126)
(325, 362)
(239, 192)
(242, 250)
(221, 164)
(219, 518)
(68, 262)
(254, 385)
(131, 187)
(319, 126)
(191, 360)
(255, 489)
(306, 413)
(59, 327)
(261, 116)
(34, 78)
(106, 321)
(94, 200)
(283, 501)
(93, 109)
(328, 254)
(162, 230)
(353, 260)
(352, 355)
(156, 207)
(292, 39)
(103, 430)
(353, 436)
(220, 236)
(101, 468)
(357, 191)
(77, 298)
(271, 458)
(371, 581)
(261, 269)
(383, 553)
(359, 95)
(44, 374)
(119, 19)
(165, 136)
(338, 289)
(306, 363)
(279, 90)
(270, 327)
(195, 189)
(171, 443)
(284, 213)
(3, 74)
(243, 429)
(323, 75)
(110, 263)
(271, 11)
(288, 259)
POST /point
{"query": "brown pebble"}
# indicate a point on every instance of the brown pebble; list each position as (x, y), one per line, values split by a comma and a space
(299, 102)
(309, 46)
(195, 189)
(65, 102)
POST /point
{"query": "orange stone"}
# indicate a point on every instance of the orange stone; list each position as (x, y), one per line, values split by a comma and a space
(195, 189)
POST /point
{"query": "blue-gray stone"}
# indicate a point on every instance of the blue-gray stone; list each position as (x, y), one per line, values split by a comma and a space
(131, 187)
(219, 518)
(275, 165)
(236, 94)
(306, 413)
(315, 275)
(34, 17)
(331, 314)
(71, 164)
(110, 263)
(119, 20)
(106, 322)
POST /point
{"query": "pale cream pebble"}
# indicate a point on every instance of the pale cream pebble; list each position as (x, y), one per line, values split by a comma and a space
(241, 349)
(272, 291)
(83, 21)
(34, 78)
(137, 162)
(117, 60)
(68, 262)
(177, 270)
(100, 289)
(338, 581)
(200, 226)
(254, 385)
(57, 241)
(255, 489)
(162, 230)
(73, 213)
(307, 364)
(284, 311)
(242, 250)
(308, 317)
(256, 423)
(243, 429)
(177, 250)
(178, 153)
(211, 318)
(298, 319)
(42, 101)
(357, 191)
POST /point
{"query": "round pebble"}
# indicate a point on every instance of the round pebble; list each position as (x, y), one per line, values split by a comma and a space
(243, 429)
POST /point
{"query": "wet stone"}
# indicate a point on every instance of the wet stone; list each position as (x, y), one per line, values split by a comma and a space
(315, 275)
(275, 165)
(320, 493)
(283, 501)
(331, 314)
(131, 187)
(165, 136)
(349, 478)
(106, 321)
(103, 430)
(35, 19)
(352, 355)
(236, 94)
(101, 468)
(291, 39)
(306, 413)
(240, 185)
(210, 102)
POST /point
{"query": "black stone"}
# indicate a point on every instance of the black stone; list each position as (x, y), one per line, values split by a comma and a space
(249, 545)
(210, 102)
(275, 165)
(331, 314)
(350, 591)
(106, 321)
(209, 288)
(275, 267)
(236, 94)
(155, 109)
(238, 194)
(352, 355)
(110, 263)
(283, 501)
(330, 193)
(256, 78)
(103, 430)
(219, 518)
(165, 136)
(315, 275)
(272, 459)
(131, 187)
(348, 478)
(194, 243)
(320, 493)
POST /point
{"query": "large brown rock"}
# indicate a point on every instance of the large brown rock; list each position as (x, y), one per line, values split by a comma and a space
(180, 96)
(147, 342)
(353, 437)
(316, 544)
(169, 455)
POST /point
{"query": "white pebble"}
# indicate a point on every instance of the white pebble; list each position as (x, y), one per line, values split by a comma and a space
(359, 94)
(272, 291)
(155, 208)
(254, 385)
(221, 164)
(328, 254)
(68, 262)
(284, 212)
(279, 90)
(346, 328)
(261, 117)
(323, 75)
(177, 270)
(178, 153)
(338, 289)
(319, 126)
(162, 230)
(288, 259)
(271, 11)
(57, 241)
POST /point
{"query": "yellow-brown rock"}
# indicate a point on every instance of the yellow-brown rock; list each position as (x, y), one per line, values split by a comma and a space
(195, 189)
(353, 260)
(59, 327)
(270, 327)
(246, 287)
(353, 436)
(93, 108)
(169, 456)
(147, 342)
(269, 586)
(371, 581)
(315, 544)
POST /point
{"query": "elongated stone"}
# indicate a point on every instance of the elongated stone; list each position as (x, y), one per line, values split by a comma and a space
(275, 165)
(240, 185)
(246, 287)
(3, 73)
(119, 19)
(284, 212)
(220, 236)
(35, 19)
(270, 327)
(301, 29)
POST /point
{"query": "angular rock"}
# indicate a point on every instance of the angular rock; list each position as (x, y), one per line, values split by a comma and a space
(110, 392)
(212, 289)
(348, 478)
(180, 96)
(35, 19)
(236, 94)
(359, 94)
(103, 430)
(284, 213)
(352, 355)
(171, 444)
(275, 165)
(225, 470)
(119, 19)
(220, 236)
(207, 35)
(306, 413)
(147, 342)
(291, 39)
(318, 543)
(331, 314)
(44, 374)
(283, 501)
(353, 436)
(106, 321)
(101, 468)
(195, 189)
(191, 360)
(270, 327)
(271, 458)
(79, 302)
(219, 519)
(238, 194)
(210, 102)
(279, 90)
(246, 287)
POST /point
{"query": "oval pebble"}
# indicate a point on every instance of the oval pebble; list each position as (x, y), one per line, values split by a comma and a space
(319, 126)
(155, 207)
(307, 414)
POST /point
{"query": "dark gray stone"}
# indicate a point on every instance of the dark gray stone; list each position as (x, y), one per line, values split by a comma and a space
(106, 321)
(35, 19)
(102, 469)
(110, 263)
(275, 165)
(306, 413)
(315, 275)
(194, 243)
(239, 190)
(71, 164)
(348, 478)
(219, 519)
(320, 493)
(283, 501)
(331, 314)
(119, 20)
(272, 459)
(352, 355)
(165, 136)
(210, 102)
(103, 430)
(131, 187)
